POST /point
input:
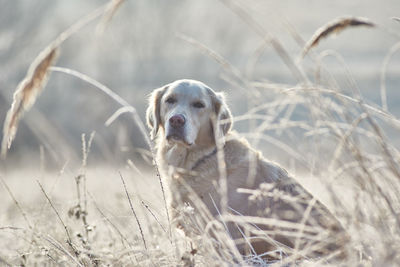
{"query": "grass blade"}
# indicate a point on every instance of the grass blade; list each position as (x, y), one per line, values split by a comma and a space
(133, 211)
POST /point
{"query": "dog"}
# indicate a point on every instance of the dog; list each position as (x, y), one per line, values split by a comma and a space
(195, 146)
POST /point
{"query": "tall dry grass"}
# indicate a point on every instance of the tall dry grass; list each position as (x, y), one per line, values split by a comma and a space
(30, 87)
(25, 95)
(335, 27)
(347, 152)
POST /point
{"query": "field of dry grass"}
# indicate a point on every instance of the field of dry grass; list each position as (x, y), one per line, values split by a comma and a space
(341, 146)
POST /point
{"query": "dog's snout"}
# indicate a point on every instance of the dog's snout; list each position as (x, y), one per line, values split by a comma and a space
(177, 121)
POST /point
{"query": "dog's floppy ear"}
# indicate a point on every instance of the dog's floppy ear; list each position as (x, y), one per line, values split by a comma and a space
(223, 114)
(153, 117)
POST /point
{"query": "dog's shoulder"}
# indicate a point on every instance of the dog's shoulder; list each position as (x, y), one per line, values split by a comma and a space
(238, 151)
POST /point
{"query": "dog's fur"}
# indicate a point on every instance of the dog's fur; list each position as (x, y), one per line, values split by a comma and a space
(188, 161)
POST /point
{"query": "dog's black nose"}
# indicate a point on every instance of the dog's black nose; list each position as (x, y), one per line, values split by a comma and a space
(177, 121)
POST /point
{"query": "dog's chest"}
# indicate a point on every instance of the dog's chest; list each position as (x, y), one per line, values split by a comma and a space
(185, 183)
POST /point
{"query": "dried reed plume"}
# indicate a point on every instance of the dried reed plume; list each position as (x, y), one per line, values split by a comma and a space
(26, 94)
(335, 26)
(29, 88)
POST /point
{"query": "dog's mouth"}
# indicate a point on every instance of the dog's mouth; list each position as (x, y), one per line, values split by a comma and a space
(177, 138)
(178, 134)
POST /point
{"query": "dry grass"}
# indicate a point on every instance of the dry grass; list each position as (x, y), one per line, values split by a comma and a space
(342, 149)
(111, 10)
(30, 87)
(26, 94)
(334, 27)
(396, 19)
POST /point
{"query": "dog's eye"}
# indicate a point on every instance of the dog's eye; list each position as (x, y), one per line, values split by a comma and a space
(170, 100)
(198, 104)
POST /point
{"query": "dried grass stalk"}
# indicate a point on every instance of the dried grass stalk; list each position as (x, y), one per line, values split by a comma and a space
(396, 19)
(33, 83)
(108, 15)
(25, 95)
(133, 211)
(114, 5)
(335, 26)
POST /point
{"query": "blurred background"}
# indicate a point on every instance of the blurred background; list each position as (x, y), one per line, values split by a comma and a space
(142, 49)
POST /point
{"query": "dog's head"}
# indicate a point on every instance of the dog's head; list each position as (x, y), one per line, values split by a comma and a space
(188, 112)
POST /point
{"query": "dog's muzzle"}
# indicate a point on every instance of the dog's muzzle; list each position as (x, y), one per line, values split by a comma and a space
(176, 128)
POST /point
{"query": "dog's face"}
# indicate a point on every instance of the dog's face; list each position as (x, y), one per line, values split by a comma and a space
(186, 112)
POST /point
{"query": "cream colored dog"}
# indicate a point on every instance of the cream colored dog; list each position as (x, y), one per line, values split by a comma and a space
(187, 117)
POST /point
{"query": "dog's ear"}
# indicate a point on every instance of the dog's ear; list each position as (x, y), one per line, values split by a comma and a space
(153, 117)
(224, 115)
(222, 112)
